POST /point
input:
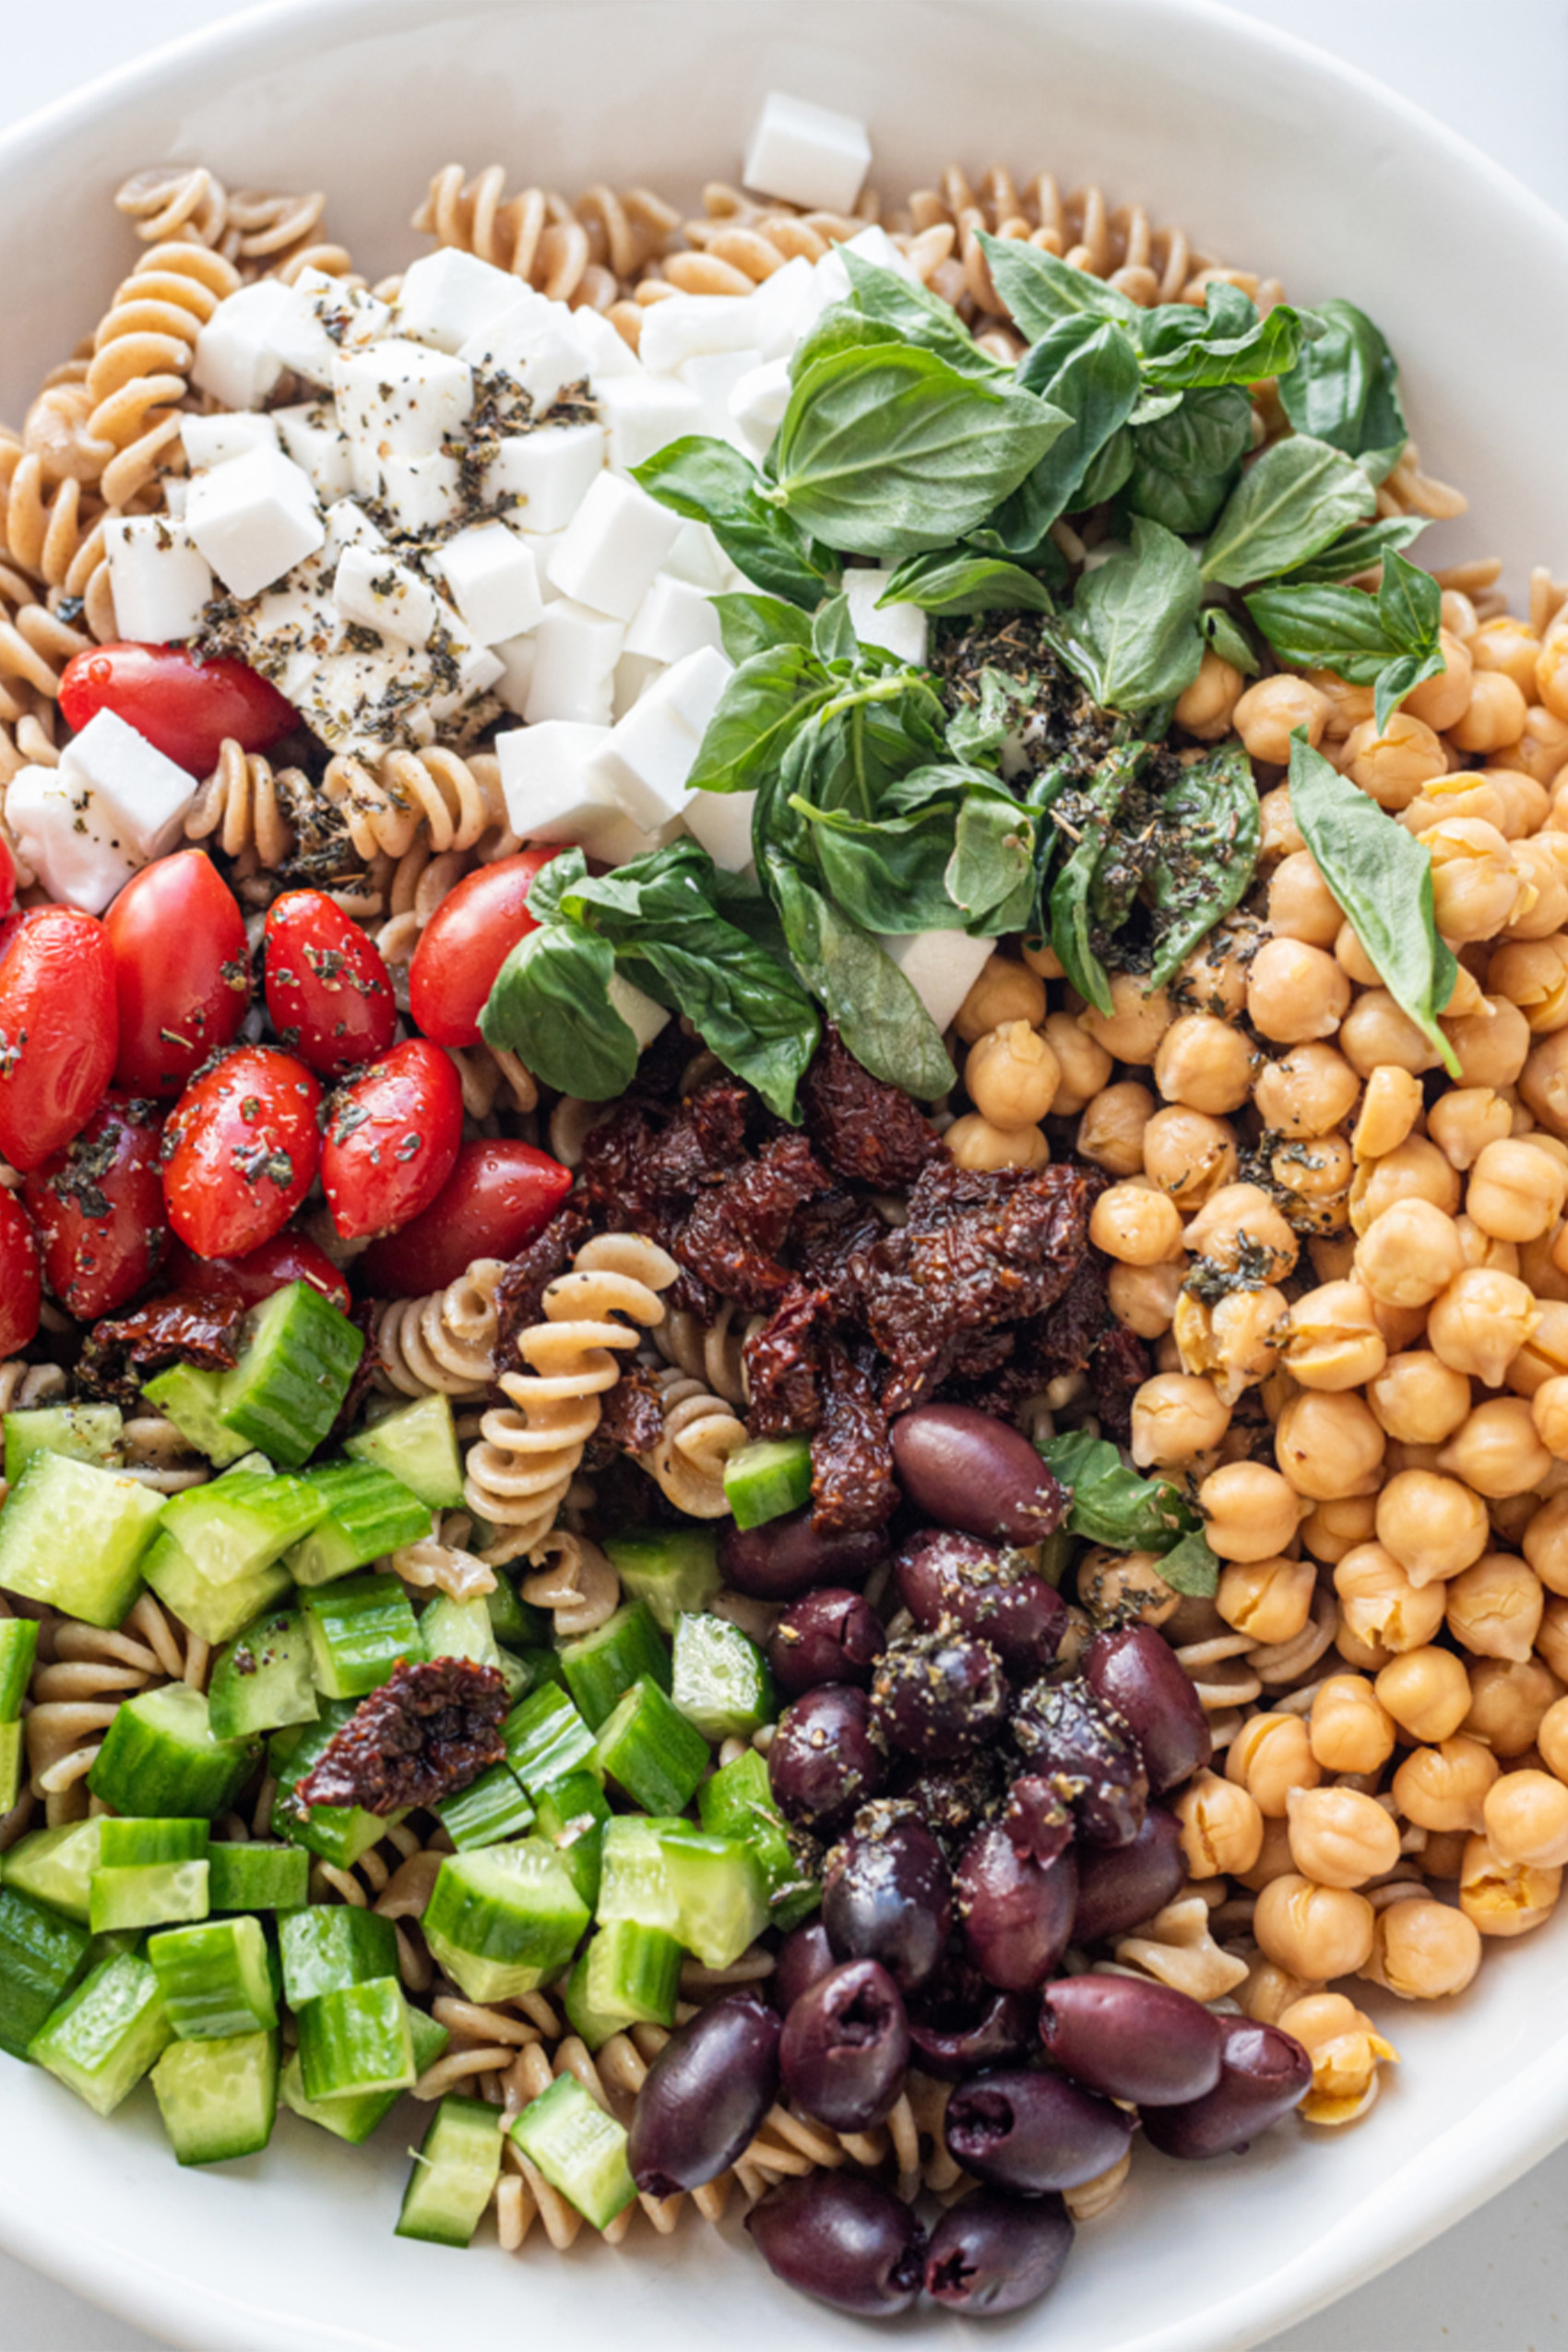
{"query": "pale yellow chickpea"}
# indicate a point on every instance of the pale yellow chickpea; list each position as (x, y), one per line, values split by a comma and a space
(1419, 1399)
(1510, 647)
(1003, 991)
(1434, 1526)
(1221, 1827)
(1480, 1321)
(1508, 1699)
(1414, 1170)
(1533, 975)
(1497, 1450)
(1464, 1120)
(1331, 1341)
(1548, 1407)
(1240, 1224)
(1491, 1046)
(1494, 1609)
(1135, 1224)
(1214, 978)
(1249, 1511)
(1332, 1256)
(1439, 703)
(1409, 1254)
(1082, 1062)
(1526, 1819)
(1328, 1446)
(1350, 1729)
(1189, 1154)
(1339, 1837)
(1390, 1108)
(1544, 1355)
(1401, 1326)
(975, 1143)
(1332, 1529)
(1443, 1787)
(1464, 791)
(1459, 615)
(1318, 1932)
(1273, 1856)
(1317, 1174)
(1443, 1853)
(1543, 1082)
(1268, 714)
(1145, 1297)
(1281, 837)
(1552, 1638)
(1553, 1739)
(1295, 993)
(1175, 1417)
(1348, 707)
(1542, 864)
(1494, 716)
(1426, 1692)
(1505, 1899)
(1012, 1076)
(1525, 793)
(1424, 1951)
(1545, 1543)
(1375, 1031)
(1353, 959)
(1117, 1586)
(1235, 1341)
(1306, 1091)
(1484, 1251)
(1207, 705)
(1269, 1600)
(1114, 1127)
(1042, 958)
(1300, 904)
(1138, 1018)
(1270, 1755)
(1475, 886)
(1543, 747)
(1397, 765)
(1380, 1605)
(1205, 1063)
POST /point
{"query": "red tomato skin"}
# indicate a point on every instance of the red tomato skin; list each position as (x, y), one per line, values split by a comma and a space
(98, 1207)
(288, 1257)
(187, 710)
(328, 992)
(498, 1197)
(242, 1151)
(465, 943)
(21, 1276)
(391, 1140)
(183, 964)
(58, 1031)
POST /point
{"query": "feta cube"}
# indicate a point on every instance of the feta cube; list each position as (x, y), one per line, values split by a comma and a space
(212, 441)
(807, 154)
(545, 781)
(642, 413)
(71, 844)
(621, 840)
(783, 307)
(253, 519)
(696, 556)
(234, 358)
(493, 580)
(648, 754)
(381, 594)
(176, 490)
(635, 672)
(899, 629)
(542, 546)
(160, 582)
(713, 377)
(641, 1015)
(448, 297)
(311, 436)
(347, 525)
(478, 672)
(608, 352)
(397, 399)
(543, 356)
(688, 326)
(546, 474)
(321, 318)
(516, 656)
(421, 493)
(574, 668)
(757, 403)
(503, 338)
(145, 791)
(940, 965)
(672, 620)
(722, 823)
(872, 244)
(613, 545)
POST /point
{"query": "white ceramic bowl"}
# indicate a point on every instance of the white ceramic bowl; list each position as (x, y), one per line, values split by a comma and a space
(1269, 155)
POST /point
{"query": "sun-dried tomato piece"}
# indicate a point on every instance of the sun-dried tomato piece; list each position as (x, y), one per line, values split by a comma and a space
(180, 1330)
(1116, 1371)
(704, 1139)
(781, 1363)
(632, 1420)
(826, 1239)
(430, 1730)
(614, 1181)
(852, 1482)
(865, 1129)
(520, 1292)
(732, 1238)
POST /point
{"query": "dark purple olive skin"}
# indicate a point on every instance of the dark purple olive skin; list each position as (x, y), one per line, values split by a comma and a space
(956, 1579)
(826, 1759)
(844, 2239)
(1262, 2074)
(785, 1558)
(1121, 1886)
(704, 2095)
(1032, 2132)
(827, 1636)
(888, 1896)
(1142, 2042)
(1017, 1913)
(969, 1470)
(1138, 1673)
(1081, 1743)
(999, 2034)
(804, 1957)
(1035, 1820)
(846, 2046)
(936, 1695)
(990, 2253)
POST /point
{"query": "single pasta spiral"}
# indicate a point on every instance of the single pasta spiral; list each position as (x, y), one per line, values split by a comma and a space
(700, 1434)
(83, 1674)
(385, 806)
(712, 1353)
(141, 360)
(445, 1343)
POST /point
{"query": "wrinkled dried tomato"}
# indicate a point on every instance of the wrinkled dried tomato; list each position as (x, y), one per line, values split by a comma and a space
(180, 1330)
(781, 1362)
(732, 1238)
(431, 1729)
(865, 1129)
(632, 1420)
(852, 1482)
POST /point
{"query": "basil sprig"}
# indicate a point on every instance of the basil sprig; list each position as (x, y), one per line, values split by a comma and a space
(1111, 1505)
(1343, 390)
(707, 481)
(1389, 640)
(1133, 633)
(1292, 503)
(954, 580)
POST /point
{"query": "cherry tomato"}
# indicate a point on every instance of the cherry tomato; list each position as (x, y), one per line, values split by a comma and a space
(497, 1198)
(245, 1148)
(57, 1030)
(99, 1210)
(288, 1257)
(7, 879)
(186, 707)
(21, 1276)
(465, 943)
(183, 970)
(328, 992)
(392, 1136)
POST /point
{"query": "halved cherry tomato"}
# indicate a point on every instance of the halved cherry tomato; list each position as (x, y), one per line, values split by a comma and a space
(57, 1030)
(99, 1210)
(7, 880)
(465, 943)
(328, 992)
(186, 708)
(21, 1276)
(245, 1151)
(180, 960)
(288, 1257)
(392, 1137)
(497, 1198)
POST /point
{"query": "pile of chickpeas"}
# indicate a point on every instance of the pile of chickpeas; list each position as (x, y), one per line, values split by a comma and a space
(1353, 1273)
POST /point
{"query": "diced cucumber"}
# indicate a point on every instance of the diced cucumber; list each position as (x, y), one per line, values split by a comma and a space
(217, 2097)
(572, 1814)
(215, 1611)
(369, 1512)
(720, 1891)
(545, 1671)
(40, 1956)
(75, 1536)
(160, 1758)
(737, 1803)
(360, 1629)
(454, 2173)
(18, 1649)
(193, 1400)
(356, 2040)
(297, 1360)
(257, 1877)
(506, 1920)
(127, 1845)
(673, 1569)
(580, 2150)
(339, 1833)
(263, 1679)
(451, 1628)
(766, 1478)
(513, 1620)
(87, 1432)
(418, 1444)
(354, 2115)
(604, 1663)
(651, 1751)
(244, 1521)
(216, 1979)
(148, 1894)
(103, 2038)
(331, 1945)
(487, 1811)
(720, 1683)
(545, 1737)
(634, 1882)
(10, 1765)
(628, 1976)
(55, 1866)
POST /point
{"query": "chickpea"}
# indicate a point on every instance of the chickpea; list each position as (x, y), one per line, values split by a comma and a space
(975, 1143)
(1505, 1899)
(1552, 1638)
(1270, 1755)
(1339, 1837)
(1268, 714)
(1439, 703)
(1508, 1701)
(1189, 1154)
(1480, 1321)
(1315, 1931)
(1352, 1730)
(1526, 1820)
(1353, 959)
(1395, 764)
(1462, 1122)
(1533, 975)
(1083, 1065)
(1464, 792)
(1424, 1951)
(1204, 1064)
(1415, 1171)
(1270, 1599)
(1444, 1788)
(1328, 1446)
(1306, 1091)
(1207, 707)
(1497, 1451)
(1494, 716)
(1525, 795)
(1300, 904)
(1240, 1223)
(1012, 1076)
(1042, 958)
(1401, 1327)
(1145, 1297)
(1544, 1356)
(1221, 1827)
(1538, 1268)
(1459, 614)
(1116, 1587)
(1135, 1224)
(1494, 1609)
(1552, 1738)
(1249, 1511)
(1214, 978)
(1375, 1031)
(1417, 1399)
(1003, 990)
(1491, 1046)
(1426, 1692)
(1318, 1174)
(1138, 1018)
(1380, 1605)
(1281, 835)
(1543, 1082)
(1475, 886)
(1348, 707)
(1542, 868)
(1408, 1253)
(1545, 1542)
(1295, 993)
(1548, 1408)
(1273, 1856)
(1174, 1418)
(1483, 1251)
(1392, 1105)
(1510, 647)
(1434, 1526)
(1333, 1255)
(1443, 1853)
(1331, 1341)
(1114, 1130)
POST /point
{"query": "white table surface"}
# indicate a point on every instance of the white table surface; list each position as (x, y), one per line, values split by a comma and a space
(1497, 71)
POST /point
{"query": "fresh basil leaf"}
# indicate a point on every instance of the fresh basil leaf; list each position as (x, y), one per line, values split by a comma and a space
(1356, 550)
(1152, 406)
(1110, 1504)
(863, 993)
(1108, 471)
(1039, 290)
(991, 878)
(953, 580)
(1379, 877)
(977, 731)
(1292, 501)
(1389, 639)
(843, 327)
(710, 483)
(1226, 342)
(1184, 465)
(1208, 836)
(1087, 368)
(551, 1003)
(916, 316)
(756, 623)
(1191, 1567)
(1226, 638)
(1087, 819)
(881, 721)
(1133, 633)
(886, 874)
(832, 632)
(1343, 389)
(770, 697)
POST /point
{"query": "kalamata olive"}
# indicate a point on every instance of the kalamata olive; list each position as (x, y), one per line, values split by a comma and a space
(971, 1471)
(952, 2039)
(991, 2253)
(827, 1636)
(1120, 1886)
(705, 2094)
(825, 1758)
(1142, 2042)
(804, 1956)
(1035, 1820)
(1031, 2133)
(1017, 1913)
(786, 1557)
(844, 2239)
(1262, 2074)
(1086, 1748)
(959, 1580)
(952, 1798)
(887, 1897)
(1139, 1674)
(937, 1694)
(846, 2046)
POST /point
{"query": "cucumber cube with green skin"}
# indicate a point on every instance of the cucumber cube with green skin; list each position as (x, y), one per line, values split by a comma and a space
(217, 2097)
(514, 1621)
(216, 1979)
(10, 1765)
(262, 1681)
(673, 1569)
(87, 1432)
(634, 1882)
(354, 2115)
(339, 1833)
(297, 1360)
(545, 1671)
(737, 1803)
(720, 1683)
(650, 1750)
(55, 1866)
(490, 1810)
(148, 1894)
(76, 1536)
(356, 2040)
(766, 1478)
(545, 1737)
(257, 1876)
(369, 1512)
(418, 1444)
(331, 1945)
(215, 1611)
(42, 1955)
(18, 1649)
(128, 1843)
(580, 2150)
(506, 1920)
(454, 2173)
(572, 1814)
(360, 1630)
(104, 2036)
(451, 1628)
(602, 1667)
(628, 1976)
(720, 1891)
(158, 1758)
(193, 1400)
(243, 1522)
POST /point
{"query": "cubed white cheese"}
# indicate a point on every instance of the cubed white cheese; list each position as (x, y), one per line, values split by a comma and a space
(379, 593)
(493, 580)
(634, 673)
(158, 579)
(648, 754)
(234, 358)
(321, 318)
(139, 785)
(517, 656)
(722, 823)
(421, 493)
(621, 839)
(688, 326)
(574, 669)
(872, 244)
(543, 545)
(713, 377)
(544, 356)
(807, 154)
(899, 629)
(641, 1015)
(504, 337)
(546, 474)
(613, 545)
(449, 296)
(313, 437)
(253, 519)
(71, 844)
(783, 307)
(545, 781)
(757, 403)
(478, 672)
(212, 441)
(672, 620)
(347, 525)
(642, 413)
(940, 965)
(397, 399)
(176, 490)
(696, 556)
(608, 352)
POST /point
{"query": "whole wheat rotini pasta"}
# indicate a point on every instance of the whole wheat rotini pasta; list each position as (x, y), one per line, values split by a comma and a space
(443, 1343)
(701, 1432)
